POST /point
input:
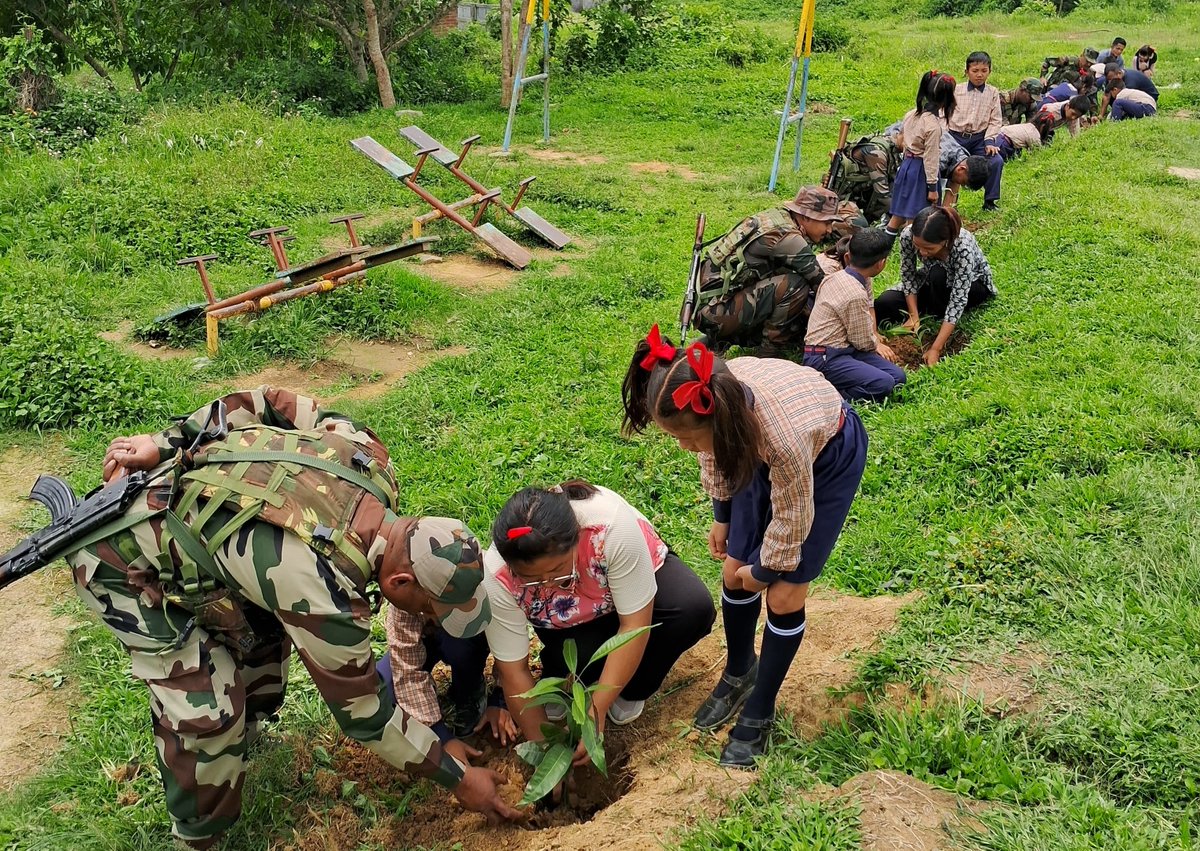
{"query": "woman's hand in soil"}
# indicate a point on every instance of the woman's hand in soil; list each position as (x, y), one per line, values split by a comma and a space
(126, 454)
(477, 792)
(718, 538)
(461, 751)
(503, 728)
(749, 583)
(932, 355)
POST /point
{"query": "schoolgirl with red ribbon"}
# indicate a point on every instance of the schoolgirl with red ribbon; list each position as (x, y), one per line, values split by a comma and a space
(782, 457)
(578, 562)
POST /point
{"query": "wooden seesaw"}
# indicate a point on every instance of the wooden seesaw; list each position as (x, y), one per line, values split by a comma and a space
(453, 163)
(487, 233)
(322, 275)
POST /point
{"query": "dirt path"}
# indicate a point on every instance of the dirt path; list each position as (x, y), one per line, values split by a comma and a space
(32, 704)
(669, 779)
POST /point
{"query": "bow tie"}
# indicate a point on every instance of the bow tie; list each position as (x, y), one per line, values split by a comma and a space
(971, 87)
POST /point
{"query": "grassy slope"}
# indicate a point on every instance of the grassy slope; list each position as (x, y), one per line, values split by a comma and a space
(1039, 487)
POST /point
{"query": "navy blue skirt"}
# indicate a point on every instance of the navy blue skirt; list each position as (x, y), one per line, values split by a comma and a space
(909, 195)
(837, 472)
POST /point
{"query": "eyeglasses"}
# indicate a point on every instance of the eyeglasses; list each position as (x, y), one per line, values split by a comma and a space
(560, 582)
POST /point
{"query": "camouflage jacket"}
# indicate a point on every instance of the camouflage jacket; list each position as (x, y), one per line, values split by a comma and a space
(318, 596)
(760, 246)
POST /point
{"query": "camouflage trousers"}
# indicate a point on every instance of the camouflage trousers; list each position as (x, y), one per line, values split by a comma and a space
(771, 313)
(207, 701)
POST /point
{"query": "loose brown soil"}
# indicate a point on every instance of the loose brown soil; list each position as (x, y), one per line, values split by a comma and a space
(1185, 173)
(1006, 686)
(911, 352)
(34, 699)
(818, 108)
(569, 157)
(371, 367)
(463, 271)
(901, 813)
(656, 167)
(665, 776)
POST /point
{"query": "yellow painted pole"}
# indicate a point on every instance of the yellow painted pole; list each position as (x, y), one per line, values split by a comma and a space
(210, 326)
(529, 12)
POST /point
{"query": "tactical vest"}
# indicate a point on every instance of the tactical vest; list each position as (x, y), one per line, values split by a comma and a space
(727, 254)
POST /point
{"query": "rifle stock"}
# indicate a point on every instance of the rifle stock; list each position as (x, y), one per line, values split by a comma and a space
(693, 286)
(835, 166)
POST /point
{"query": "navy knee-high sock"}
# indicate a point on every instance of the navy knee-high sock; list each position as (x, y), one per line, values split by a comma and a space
(739, 612)
(781, 640)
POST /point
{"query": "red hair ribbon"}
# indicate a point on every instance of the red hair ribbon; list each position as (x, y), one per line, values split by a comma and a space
(934, 72)
(518, 531)
(659, 350)
(697, 394)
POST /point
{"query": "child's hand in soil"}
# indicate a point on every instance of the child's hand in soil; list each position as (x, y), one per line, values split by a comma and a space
(503, 728)
(461, 751)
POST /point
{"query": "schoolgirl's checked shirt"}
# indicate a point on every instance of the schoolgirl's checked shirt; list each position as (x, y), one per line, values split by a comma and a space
(799, 412)
(965, 266)
(616, 559)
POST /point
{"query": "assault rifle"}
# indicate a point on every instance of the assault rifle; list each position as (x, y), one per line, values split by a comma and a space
(835, 165)
(692, 294)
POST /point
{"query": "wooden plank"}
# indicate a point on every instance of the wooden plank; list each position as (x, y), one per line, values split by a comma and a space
(382, 157)
(545, 231)
(423, 140)
(511, 253)
(314, 269)
(379, 256)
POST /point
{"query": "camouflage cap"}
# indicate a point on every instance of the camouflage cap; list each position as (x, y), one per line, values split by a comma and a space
(1091, 53)
(445, 557)
(1033, 85)
(814, 202)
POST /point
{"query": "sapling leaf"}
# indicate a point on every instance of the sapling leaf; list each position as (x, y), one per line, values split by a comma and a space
(579, 704)
(546, 699)
(552, 769)
(531, 752)
(616, 643)
(594, 742)
(545, 685)
(554, 734)
(571, 655)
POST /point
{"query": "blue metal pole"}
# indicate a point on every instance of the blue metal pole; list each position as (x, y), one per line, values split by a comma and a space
(801, 111)
(783, 123)
(518, 79)
(546, 82)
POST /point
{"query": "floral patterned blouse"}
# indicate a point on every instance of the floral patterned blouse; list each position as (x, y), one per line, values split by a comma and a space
(615, 561)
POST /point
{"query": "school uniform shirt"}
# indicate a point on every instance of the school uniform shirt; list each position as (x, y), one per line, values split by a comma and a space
(616, 559)
(1106, 56)
(1022, 135)
(922, 135)
(1144, 65)
(977, 110)
(1134, 96)
(841, 315)
(1057, 112)
(965, 266)
(799, 412)
(1138, 80)
(415, 690)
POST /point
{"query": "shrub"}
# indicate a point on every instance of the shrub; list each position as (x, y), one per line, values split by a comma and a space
(54, 373)
(459, 66)
(84, 112)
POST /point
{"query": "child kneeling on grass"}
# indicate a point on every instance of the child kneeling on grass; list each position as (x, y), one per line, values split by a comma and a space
(841, 342)
(953, 278)
(781, 455)
(579, 562)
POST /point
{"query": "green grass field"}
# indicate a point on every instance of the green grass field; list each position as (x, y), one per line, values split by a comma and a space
(1040, 490)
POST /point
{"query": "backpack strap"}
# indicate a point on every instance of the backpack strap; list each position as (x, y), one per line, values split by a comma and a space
(370, 485)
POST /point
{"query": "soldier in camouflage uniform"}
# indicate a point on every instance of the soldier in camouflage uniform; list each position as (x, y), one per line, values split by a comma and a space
(1066, 69)
(868, 168)
(1019, 105)
(757, 281)
(254, 544)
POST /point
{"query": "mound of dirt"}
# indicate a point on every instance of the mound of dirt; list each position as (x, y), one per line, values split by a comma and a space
(665, 777)
(1004, 687)
(911, 352)
(33, 701)
(463, 271)
(901, 813)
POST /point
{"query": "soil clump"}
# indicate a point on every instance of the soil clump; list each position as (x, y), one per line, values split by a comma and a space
(911, 351)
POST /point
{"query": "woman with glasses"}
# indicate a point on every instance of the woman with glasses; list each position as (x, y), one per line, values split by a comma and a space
(578, 561)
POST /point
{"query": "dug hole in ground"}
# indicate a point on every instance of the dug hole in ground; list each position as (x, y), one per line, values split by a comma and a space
(663, 776)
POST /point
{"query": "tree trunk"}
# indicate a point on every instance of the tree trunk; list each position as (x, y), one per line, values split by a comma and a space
(69, 43)
(353, 45)
(383, 76)
(506, 52)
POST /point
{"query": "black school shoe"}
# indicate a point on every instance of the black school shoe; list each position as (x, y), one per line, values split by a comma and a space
(990, 207)
(743, 754)
(716, 711)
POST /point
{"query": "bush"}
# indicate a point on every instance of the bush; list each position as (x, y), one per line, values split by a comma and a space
(459, 66)
(54, 373)
(308, 86)
(84, 112)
